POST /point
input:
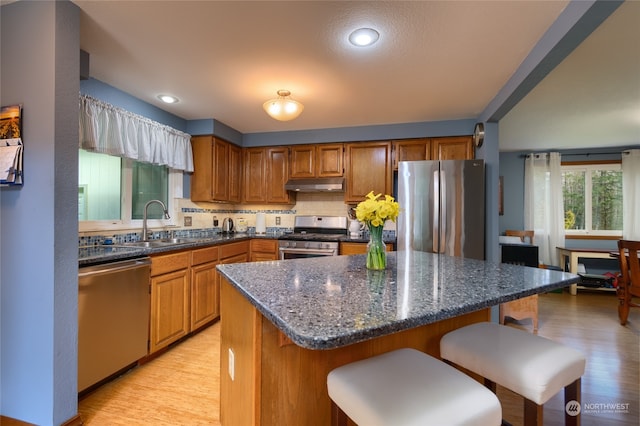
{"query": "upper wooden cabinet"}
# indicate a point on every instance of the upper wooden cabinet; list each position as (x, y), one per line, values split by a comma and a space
(452, 148)
(266, 170)
(217, 166)
(411, 150)
(445, 148)
(322, 160)
(255, 174)
(367, 168)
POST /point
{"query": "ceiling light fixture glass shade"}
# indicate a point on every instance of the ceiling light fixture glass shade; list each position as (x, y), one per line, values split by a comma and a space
(168, 99)
(283, 108)
(364, 37)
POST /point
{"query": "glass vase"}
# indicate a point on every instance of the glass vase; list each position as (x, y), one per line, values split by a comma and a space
(376, 249)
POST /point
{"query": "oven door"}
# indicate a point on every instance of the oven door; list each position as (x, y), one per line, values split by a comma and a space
(303, 253)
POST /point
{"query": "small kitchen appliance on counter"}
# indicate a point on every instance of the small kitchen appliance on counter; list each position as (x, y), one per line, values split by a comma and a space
(241, 225)
(227, 225)
(313, 236)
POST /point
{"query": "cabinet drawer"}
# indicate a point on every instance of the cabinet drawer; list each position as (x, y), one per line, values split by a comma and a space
(203, 255)
(169, 262)
(269, 246)
(234, 249)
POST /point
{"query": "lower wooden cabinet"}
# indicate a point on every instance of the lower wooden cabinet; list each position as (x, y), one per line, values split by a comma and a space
(205, 287)
(358, 248)
(264, 250)
(169, 299)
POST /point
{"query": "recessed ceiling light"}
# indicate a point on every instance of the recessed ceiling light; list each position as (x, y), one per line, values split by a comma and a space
(364, 37)
(168, 99)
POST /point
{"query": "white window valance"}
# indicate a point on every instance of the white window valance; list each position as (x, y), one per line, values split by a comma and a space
(114, 131)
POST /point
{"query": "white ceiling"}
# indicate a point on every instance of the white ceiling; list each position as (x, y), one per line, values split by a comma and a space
(436, 60)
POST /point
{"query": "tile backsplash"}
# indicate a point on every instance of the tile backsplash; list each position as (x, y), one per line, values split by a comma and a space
(278, 218)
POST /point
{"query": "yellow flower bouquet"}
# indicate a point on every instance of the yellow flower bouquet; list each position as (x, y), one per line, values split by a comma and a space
(374, 212)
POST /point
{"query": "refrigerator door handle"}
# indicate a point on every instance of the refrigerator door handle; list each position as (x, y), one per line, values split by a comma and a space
(436, 212)
(443, 214)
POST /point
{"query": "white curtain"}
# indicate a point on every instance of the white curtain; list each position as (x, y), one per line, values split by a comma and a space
(543, 204)
(111, 130)
(631, 195)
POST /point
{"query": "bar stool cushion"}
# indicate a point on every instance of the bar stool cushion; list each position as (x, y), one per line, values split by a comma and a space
(408, 387)
(530, 365)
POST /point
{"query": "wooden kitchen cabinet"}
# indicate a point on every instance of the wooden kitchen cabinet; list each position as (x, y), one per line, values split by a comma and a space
(367, 168)
(255, 175)
(418, 149)
(234, 252)
(169, 299)
(235, 173)
(277, 175)
(311, 161)
(452, 148)
(358, 248)
(205, 287)
(264, 250)
(217, 169)
(444, 148)
(266, 170)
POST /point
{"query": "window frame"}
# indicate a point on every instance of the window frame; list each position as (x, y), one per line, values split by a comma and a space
(174, 191)
(589, 166)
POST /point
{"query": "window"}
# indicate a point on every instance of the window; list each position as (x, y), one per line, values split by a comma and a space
(592, 196)
(113, 191)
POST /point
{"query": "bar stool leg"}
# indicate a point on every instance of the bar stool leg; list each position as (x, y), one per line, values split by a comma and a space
(532, 413)
(338, 417)
(572, 392)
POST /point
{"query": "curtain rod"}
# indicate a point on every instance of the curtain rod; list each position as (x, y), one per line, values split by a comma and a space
(577, 154)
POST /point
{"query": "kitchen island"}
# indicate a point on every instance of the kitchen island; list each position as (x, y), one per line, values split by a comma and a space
(286, 324)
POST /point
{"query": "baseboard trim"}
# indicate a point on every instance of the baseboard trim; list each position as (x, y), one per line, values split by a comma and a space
(8, 421)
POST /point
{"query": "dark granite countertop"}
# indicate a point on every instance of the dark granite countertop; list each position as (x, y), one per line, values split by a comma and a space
(91, 255)
(329, 302)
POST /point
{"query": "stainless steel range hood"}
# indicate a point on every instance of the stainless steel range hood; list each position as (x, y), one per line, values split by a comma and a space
(333, 184)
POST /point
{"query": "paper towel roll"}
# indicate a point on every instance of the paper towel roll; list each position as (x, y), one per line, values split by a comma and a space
(260, 223)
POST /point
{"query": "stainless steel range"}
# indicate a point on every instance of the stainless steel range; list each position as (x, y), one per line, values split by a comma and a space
(313, 236)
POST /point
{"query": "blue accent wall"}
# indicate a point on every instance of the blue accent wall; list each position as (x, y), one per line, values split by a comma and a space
(362, 133)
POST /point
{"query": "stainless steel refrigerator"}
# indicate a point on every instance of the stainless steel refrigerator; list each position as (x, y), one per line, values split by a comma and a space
(442, 207)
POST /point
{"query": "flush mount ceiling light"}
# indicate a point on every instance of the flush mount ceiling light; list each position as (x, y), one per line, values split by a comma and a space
(283, 108)
(364, 37)
(168, 99)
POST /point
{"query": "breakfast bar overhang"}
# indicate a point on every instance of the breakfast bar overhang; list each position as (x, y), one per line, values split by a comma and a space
(286, 324)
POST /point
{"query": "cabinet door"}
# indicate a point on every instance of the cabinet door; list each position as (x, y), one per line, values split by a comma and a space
(202, 177)
(205, 294)
(220, 187)
(368, 168)
(254, 175)
(169, 308)
(358, 248)
(264, 250)
(411, 150)
(235, 173)
(329, 160)
(303, 161)
(277, 174)
(452, 148)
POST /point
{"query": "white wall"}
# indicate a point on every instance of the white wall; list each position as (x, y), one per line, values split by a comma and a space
(38, 229)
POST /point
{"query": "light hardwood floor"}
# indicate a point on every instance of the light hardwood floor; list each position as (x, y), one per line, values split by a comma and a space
(181, 387)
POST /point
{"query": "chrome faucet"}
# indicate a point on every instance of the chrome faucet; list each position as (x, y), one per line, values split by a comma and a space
(144, 217)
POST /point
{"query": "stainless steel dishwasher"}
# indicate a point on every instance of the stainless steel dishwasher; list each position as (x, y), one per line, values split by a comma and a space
(113, 318)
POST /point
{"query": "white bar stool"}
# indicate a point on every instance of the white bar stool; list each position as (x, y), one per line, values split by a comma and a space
(408, 387)
(529, 365)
